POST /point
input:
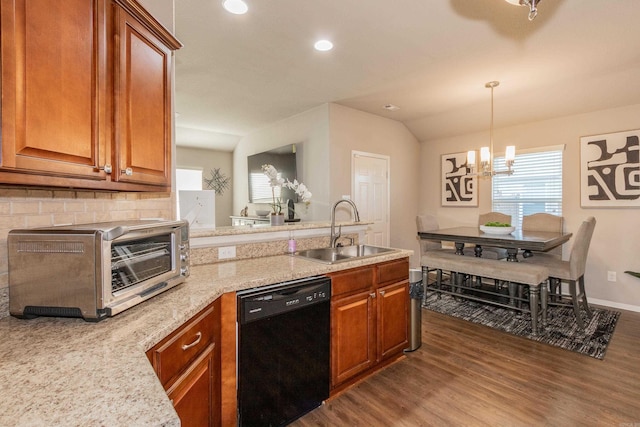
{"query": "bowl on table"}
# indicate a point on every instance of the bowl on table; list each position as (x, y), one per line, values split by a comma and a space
(263, 212)
(496, 230)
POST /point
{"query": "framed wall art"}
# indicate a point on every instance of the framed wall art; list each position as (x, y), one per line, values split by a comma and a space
(458, 188)
(610, 170)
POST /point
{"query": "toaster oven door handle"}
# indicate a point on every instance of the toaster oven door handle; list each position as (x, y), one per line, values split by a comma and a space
(198, 338)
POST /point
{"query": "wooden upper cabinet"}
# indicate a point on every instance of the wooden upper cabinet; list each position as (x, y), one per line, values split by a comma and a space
(53, 78)
(86, 95)
(142, 104)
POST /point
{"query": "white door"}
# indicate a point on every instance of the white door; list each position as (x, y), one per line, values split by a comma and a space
(370, 184)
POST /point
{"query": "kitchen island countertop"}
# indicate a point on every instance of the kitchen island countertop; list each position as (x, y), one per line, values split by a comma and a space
(64, 372)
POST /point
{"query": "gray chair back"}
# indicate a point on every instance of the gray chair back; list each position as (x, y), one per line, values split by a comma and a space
(544, 222)
(493, 217)
(427, 223)
(578, 258)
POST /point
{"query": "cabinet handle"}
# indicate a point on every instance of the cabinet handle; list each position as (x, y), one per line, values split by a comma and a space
(198, 338)
(127, 171)
(107, 168)
(372, 294)
(382, 293)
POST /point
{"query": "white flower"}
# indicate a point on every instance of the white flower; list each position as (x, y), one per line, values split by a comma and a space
(300, 189)
(275, 180)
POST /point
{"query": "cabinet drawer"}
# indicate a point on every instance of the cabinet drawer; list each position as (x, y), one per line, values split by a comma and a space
(351, 281)
(394, 271)
(176, 351)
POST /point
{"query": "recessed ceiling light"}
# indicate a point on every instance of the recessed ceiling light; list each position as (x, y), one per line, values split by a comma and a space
(391, 107)
(323, 45)
(237, 7)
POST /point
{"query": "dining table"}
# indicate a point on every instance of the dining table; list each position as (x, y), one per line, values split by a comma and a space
(518, 240)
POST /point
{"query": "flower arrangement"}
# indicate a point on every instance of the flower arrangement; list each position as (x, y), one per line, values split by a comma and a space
(276, 181)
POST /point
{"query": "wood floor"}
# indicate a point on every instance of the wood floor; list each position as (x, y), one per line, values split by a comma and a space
(470, 375)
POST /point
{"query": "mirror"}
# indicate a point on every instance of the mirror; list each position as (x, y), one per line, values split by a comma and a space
(284, 159)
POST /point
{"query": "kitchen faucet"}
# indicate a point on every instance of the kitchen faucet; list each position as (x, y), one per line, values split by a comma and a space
(356, 217)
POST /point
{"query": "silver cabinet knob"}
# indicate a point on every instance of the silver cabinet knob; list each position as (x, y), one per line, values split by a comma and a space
(382, 293)
(372, 294)
(107, 168)
(127, 171)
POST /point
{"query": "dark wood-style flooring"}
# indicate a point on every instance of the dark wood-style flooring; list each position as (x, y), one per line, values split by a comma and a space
(470, 375)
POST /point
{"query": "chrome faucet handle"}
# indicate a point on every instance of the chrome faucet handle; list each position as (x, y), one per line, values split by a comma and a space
(351, 240)
(334, 238)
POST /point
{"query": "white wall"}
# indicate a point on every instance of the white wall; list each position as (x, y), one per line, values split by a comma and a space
(330, 133)
(616, 241)
(311, 129)
(356, 130)
(161, 10)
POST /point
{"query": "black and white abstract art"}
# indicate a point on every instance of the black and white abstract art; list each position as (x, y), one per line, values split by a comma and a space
(610, 170)
(458, 188)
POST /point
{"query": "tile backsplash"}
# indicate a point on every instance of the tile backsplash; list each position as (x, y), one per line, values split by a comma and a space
(27, 208)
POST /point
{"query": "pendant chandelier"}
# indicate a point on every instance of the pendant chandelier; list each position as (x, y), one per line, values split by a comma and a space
(533, 10)
(486, 153)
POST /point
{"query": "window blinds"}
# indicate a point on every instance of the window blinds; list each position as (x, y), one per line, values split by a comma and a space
(535, 186)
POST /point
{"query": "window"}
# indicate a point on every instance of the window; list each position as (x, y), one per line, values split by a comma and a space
(188, 179)
(261, 188)
(535, 186)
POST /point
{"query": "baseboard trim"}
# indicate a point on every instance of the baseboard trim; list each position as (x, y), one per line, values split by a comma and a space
(613, 304)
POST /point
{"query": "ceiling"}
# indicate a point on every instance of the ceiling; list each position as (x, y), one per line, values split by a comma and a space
(239, 73)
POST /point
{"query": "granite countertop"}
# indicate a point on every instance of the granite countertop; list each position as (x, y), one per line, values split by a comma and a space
(64, 372)
(265, 228)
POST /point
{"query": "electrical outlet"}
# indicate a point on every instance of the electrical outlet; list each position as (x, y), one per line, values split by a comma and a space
(226, 252)
(611, 276)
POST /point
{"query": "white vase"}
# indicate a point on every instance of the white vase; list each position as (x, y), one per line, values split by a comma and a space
(277, 219)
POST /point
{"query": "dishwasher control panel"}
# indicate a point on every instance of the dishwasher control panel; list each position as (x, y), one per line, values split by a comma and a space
(275, 299)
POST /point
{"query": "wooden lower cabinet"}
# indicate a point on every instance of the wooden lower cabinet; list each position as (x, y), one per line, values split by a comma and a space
(353, 347)
(188, 365)
(194, 394)
(393, 309)
(369, 319)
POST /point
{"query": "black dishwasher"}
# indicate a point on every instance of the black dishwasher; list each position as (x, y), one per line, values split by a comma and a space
(283, 351)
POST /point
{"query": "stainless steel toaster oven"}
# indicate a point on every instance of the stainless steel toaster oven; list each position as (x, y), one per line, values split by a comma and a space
(96, 270)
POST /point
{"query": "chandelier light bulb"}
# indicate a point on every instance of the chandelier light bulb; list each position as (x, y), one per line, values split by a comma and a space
(485, 154)
(471, 158)
(510, 153)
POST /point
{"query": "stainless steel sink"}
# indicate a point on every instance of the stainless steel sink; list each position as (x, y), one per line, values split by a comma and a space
(342, 254)
(363, 250)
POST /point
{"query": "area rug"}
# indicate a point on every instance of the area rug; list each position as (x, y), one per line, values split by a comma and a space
(561, 330)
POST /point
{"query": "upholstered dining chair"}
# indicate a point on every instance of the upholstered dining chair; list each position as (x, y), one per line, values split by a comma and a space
(487, 251)
(493, 217)
(571, 272)
(428, 223)
(544, 222)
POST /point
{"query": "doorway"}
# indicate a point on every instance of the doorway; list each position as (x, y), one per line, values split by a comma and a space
(370, 188)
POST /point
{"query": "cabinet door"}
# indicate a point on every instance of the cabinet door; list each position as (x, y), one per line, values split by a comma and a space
(393, 319)
(53, 83)
(194, 395)
(142, 104)
(352, 336)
